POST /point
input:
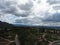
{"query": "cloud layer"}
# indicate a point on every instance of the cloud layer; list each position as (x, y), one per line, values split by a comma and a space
(29, 11)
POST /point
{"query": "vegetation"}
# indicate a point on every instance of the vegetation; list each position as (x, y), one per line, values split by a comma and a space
(29, 35)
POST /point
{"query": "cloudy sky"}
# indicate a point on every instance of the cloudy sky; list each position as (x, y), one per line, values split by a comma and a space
(30, 12)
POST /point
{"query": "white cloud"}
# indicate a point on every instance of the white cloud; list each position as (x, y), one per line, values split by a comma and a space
(28, 11)
(8, 18)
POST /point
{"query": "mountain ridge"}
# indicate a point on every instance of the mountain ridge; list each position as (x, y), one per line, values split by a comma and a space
(7, 25)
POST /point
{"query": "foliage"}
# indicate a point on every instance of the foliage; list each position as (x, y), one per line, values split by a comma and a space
(29, 35)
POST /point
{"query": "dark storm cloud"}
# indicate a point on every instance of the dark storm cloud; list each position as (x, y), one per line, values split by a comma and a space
(13, 8)
(26, 6)
(54, 18)
(53, 1)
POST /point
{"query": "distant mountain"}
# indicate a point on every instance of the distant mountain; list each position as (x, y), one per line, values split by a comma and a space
(24, 25)
(5, 25)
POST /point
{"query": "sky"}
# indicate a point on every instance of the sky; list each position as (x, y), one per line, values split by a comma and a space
(30, 12)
